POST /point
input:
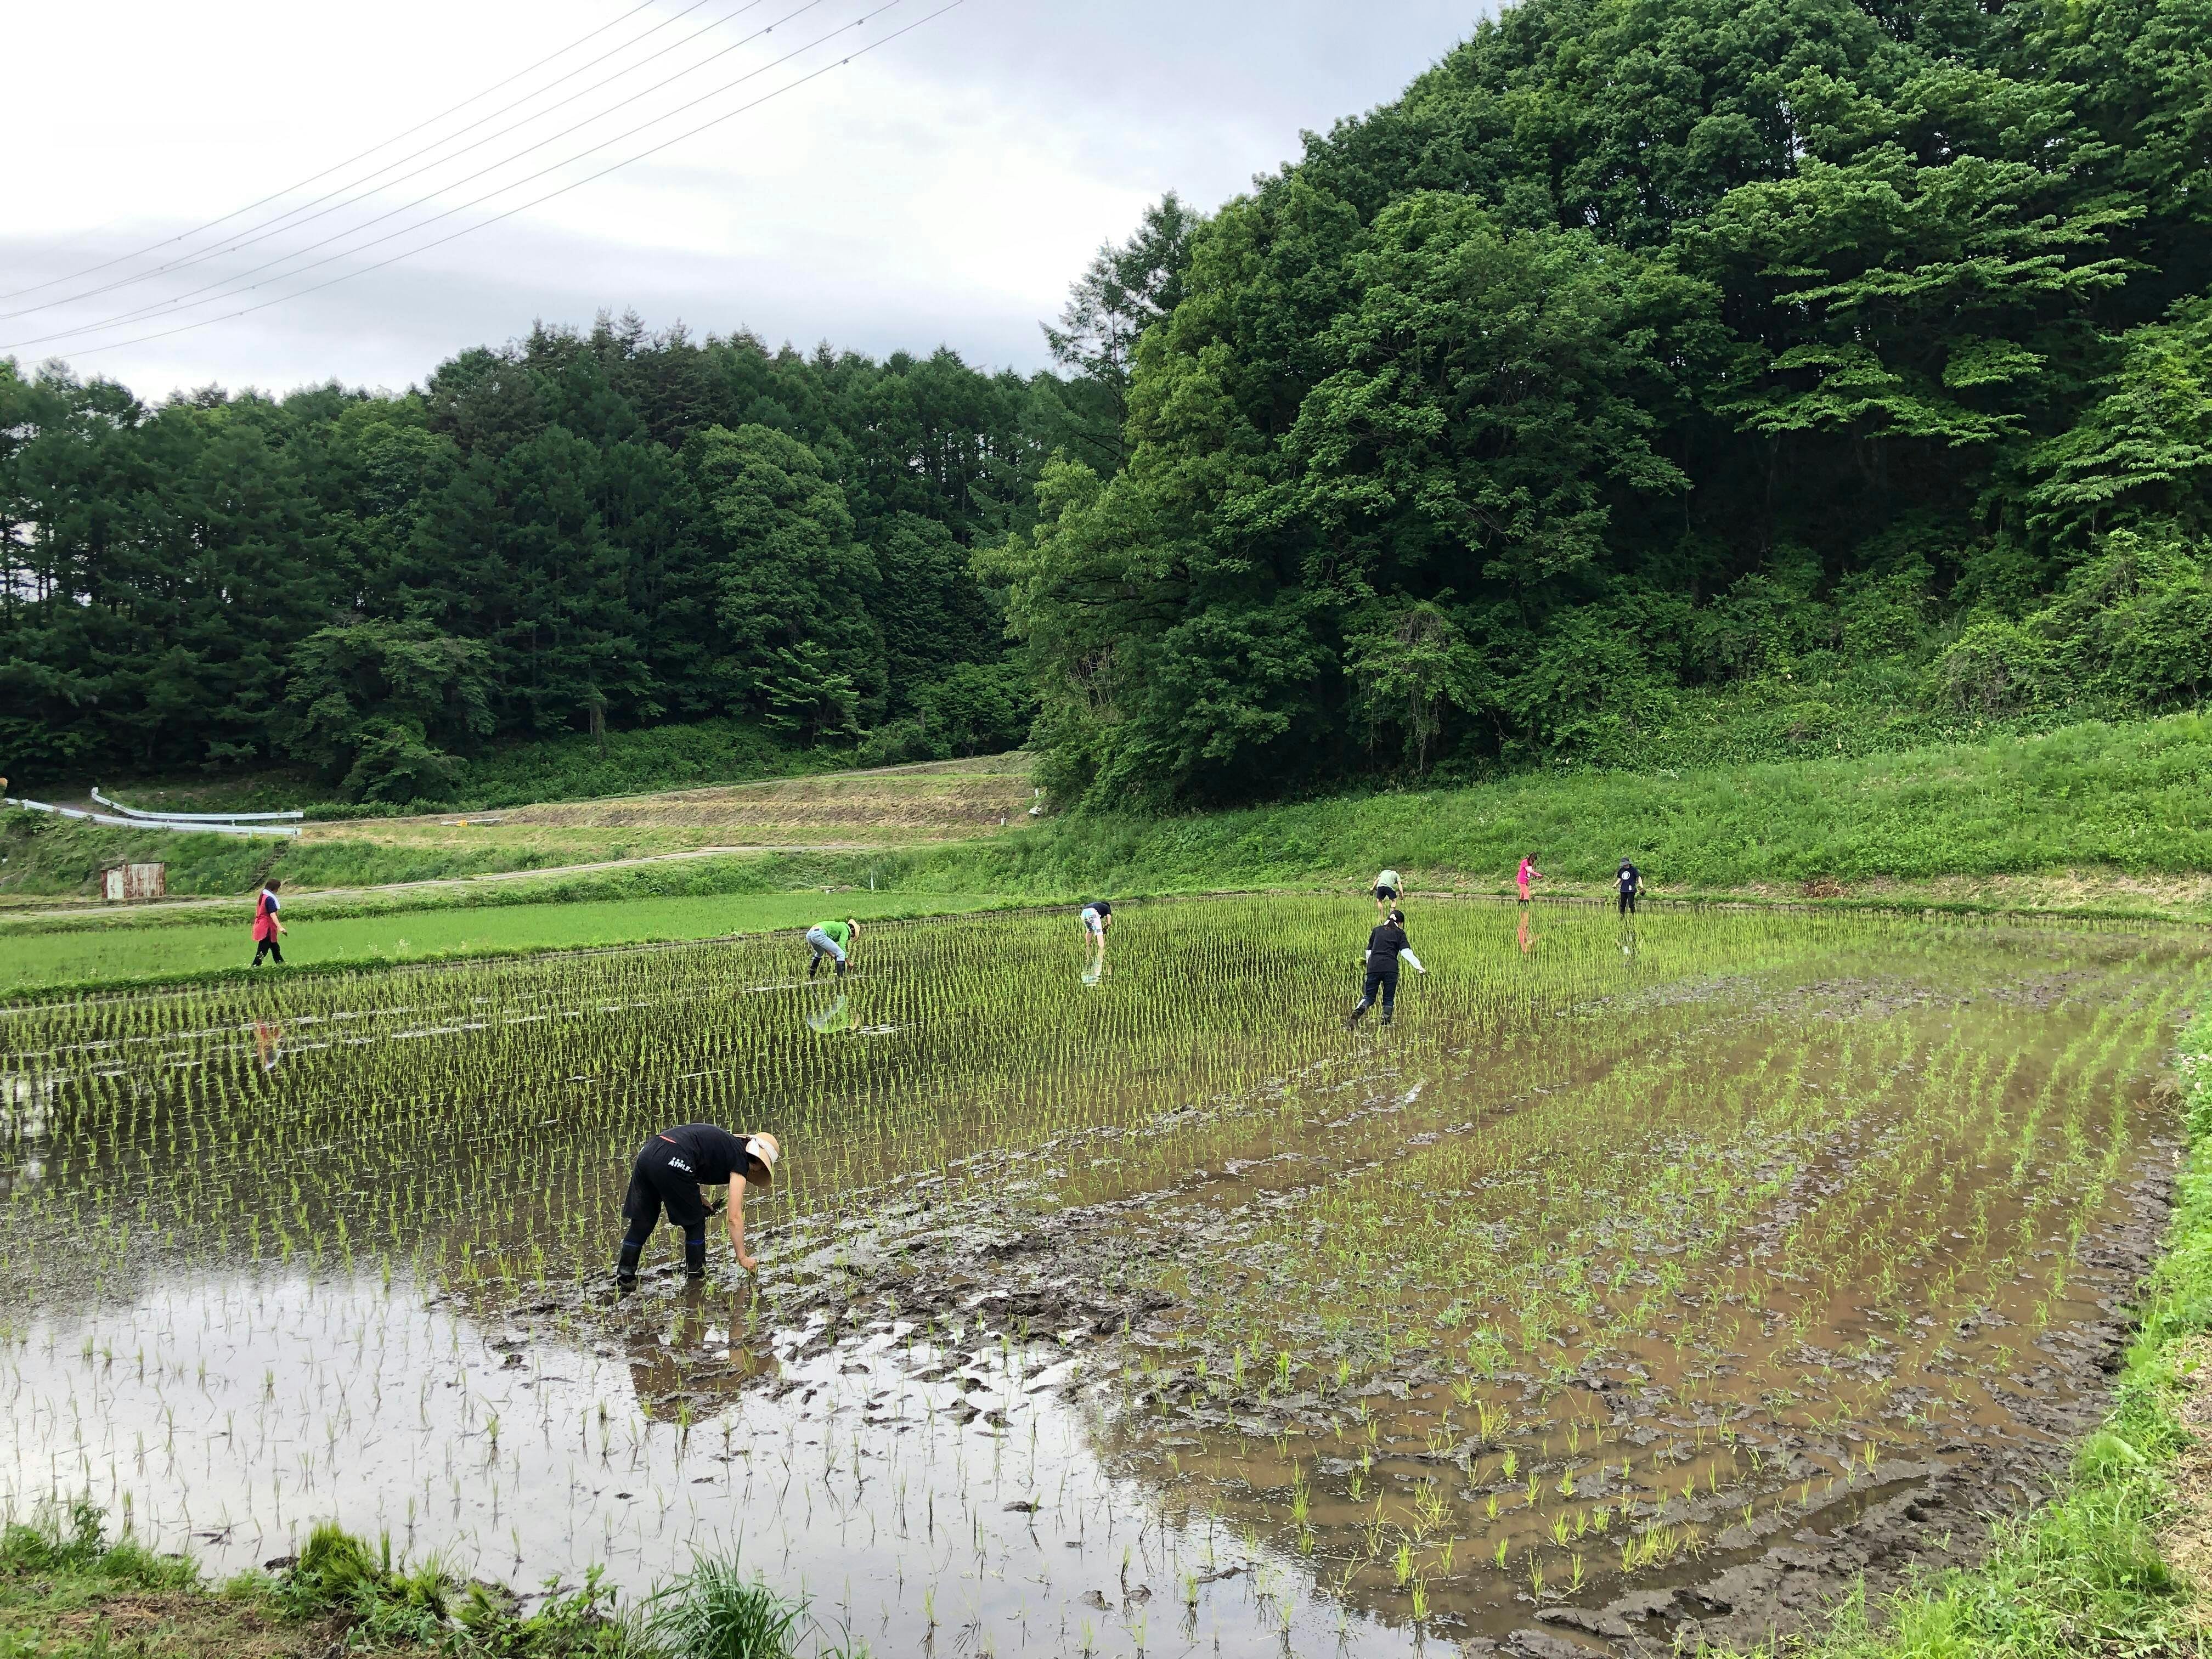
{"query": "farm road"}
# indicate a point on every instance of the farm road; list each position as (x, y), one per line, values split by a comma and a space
(306, 896)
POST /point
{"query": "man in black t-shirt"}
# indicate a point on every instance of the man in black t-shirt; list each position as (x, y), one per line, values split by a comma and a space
(670, 1170)
(1383, 944)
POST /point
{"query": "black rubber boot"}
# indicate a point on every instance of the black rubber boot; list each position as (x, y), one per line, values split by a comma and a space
(695, 1254)
(626, 1266)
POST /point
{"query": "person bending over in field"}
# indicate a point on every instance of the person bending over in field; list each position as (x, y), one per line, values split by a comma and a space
(1097, 918)
(670, 1170)
(1388, 890)
(833, 939)
(1386, 946)
(268, 926)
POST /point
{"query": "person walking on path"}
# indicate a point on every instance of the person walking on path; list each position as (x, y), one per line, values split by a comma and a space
(1386, 944)
(667, 1174)
(1388, 890)
(833, 939)
(1526, 873)
(268, 925)
(1632, 886)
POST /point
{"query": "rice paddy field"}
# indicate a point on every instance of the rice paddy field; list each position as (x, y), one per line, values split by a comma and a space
(1642, 1283)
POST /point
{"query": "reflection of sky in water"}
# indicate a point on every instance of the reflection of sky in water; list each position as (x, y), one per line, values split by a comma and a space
(891, 1482)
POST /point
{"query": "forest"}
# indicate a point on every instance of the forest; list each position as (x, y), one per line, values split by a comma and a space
(1637, 354)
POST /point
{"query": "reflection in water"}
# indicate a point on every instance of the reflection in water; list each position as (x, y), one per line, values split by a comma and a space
(1526, 938)
(695, 1365)
(832, 1021)
(268, 1042)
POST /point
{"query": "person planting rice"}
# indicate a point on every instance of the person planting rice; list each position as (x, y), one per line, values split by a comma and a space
(1526, 873)
(268, 926)
(833, 939)
(1631, 884)
(667, 1174)
(1096, 919)
(1386, 946)
(1388, 890)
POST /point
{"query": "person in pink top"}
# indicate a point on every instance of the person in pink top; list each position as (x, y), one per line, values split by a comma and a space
(1526, 873)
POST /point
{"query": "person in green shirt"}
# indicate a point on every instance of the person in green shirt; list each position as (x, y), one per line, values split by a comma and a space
(833, 939)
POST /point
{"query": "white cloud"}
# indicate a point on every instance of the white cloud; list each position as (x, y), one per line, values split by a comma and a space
(942, 189)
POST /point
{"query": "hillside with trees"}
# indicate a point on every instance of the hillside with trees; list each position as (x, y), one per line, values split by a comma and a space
(1644, 356)
(579, 532)
(1849, 362)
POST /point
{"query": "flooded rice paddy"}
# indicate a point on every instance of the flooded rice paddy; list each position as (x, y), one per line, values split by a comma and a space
(1644, 1282)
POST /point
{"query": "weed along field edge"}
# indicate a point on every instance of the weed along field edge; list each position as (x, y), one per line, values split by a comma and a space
(1646, 1279)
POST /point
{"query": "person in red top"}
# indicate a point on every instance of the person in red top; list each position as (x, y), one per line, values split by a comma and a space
(1526, 873)
(268, 926)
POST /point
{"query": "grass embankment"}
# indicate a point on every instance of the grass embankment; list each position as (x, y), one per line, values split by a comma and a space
(67, 1593)
(2092, 1571)
(2135, 798)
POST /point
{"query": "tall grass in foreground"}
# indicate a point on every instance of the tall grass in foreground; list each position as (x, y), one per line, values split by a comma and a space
(2084, 1574)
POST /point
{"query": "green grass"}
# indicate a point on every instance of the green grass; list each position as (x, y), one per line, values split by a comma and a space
(2135, 797)
(83, 958)
(2084, 1574)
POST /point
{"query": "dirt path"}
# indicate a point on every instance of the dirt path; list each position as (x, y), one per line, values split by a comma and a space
(42, 909)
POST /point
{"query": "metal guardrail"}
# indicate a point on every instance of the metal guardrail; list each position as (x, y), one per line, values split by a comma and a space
(197, 817)
(174, 826)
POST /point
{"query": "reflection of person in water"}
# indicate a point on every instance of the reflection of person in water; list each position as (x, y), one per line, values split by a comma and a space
(676, 1371)
(667, 1174)
(268, 1043)
(1528, 941)
(832, 1020)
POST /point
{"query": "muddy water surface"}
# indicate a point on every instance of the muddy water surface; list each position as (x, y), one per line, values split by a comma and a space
(1637, 1284)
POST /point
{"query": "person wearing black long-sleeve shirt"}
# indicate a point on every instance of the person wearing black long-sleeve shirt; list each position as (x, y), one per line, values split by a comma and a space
(1383, 944)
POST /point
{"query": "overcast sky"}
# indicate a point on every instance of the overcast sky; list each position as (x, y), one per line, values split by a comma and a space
(941, 189)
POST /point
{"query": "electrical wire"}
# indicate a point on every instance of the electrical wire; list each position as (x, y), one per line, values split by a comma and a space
(268, 228)
(338, 167)
(191, 296)
(520, 206)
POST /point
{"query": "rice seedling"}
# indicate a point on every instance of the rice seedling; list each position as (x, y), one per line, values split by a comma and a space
(1052, 1266)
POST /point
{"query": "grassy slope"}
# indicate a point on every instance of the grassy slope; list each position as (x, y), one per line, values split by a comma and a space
(2084, 1574)
(2136, 797)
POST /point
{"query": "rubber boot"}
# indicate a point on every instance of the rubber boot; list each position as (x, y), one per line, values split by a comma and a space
(1352, 1018)
(695, 1254)
(626, 1266)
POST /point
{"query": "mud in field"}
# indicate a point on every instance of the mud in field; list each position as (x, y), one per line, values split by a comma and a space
(1639, 1286)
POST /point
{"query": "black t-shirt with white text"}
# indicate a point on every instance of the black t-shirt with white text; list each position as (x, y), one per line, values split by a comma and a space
(1630, 875)
(705, 1153)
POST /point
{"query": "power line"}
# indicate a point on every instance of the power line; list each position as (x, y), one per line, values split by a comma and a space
(520, 206)
(268, 228)
(191, 296)
(312, 178)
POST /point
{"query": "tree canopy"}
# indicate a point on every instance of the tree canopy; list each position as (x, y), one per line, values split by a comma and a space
(579, 530)
(1643, 349)
(1642, 346)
